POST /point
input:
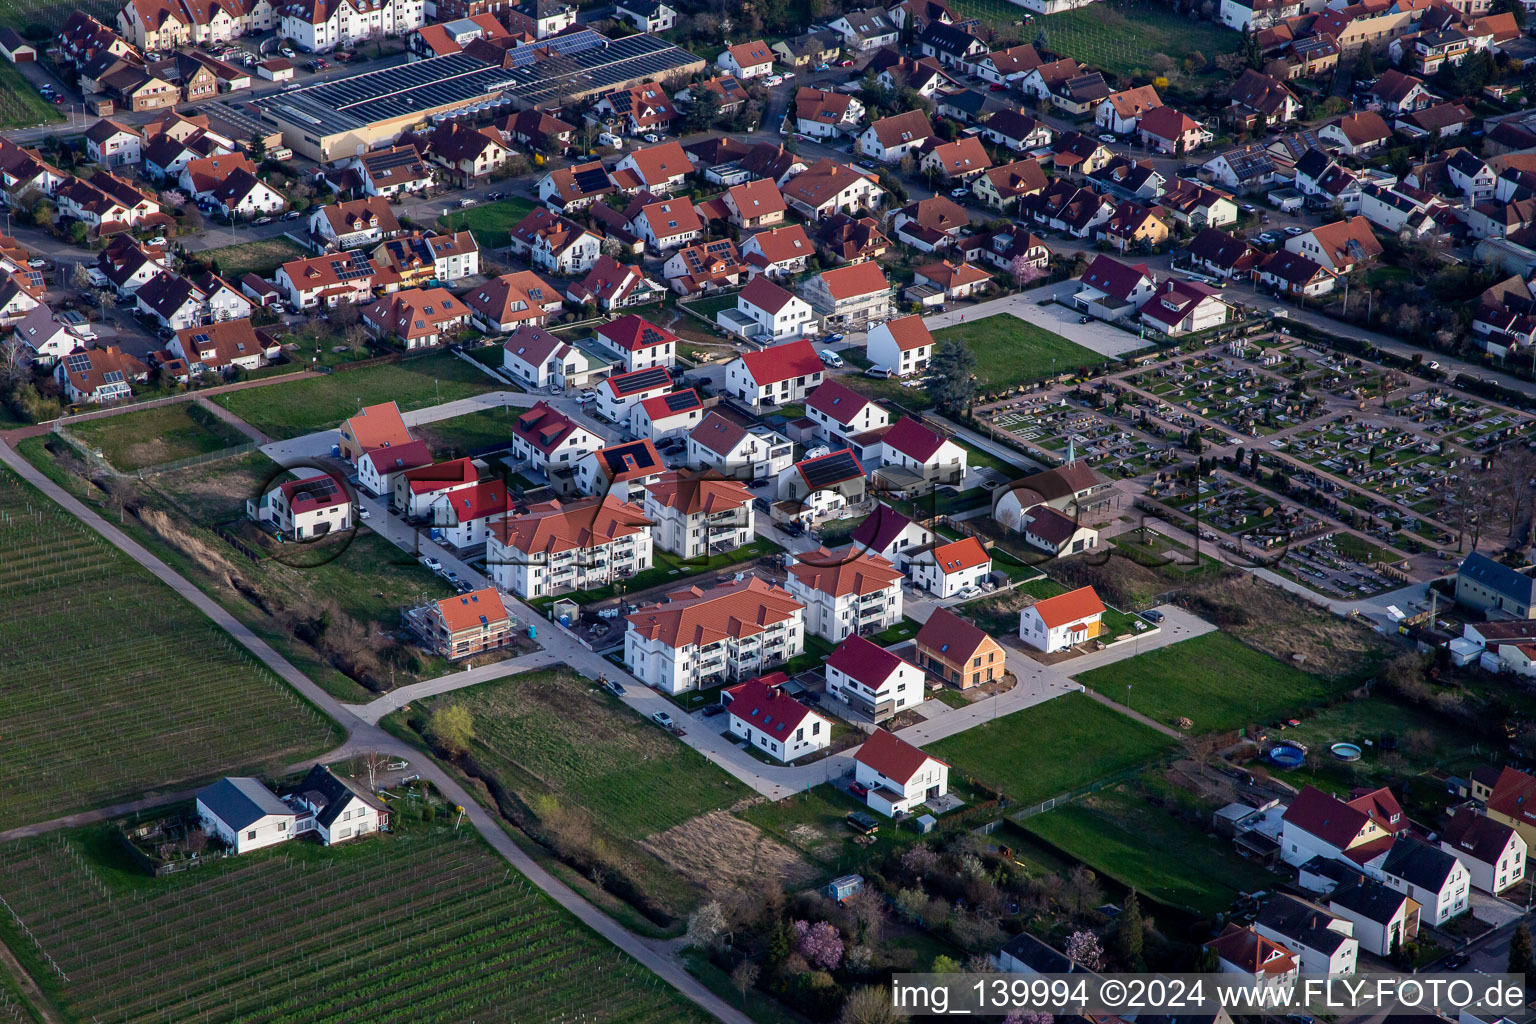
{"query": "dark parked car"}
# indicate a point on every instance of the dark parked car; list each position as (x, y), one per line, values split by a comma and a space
(1153, 616)
(714, 709)
(761, 481)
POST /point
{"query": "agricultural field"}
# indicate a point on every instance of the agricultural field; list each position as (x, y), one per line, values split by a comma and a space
(22, 106)
(1217, 682)
(299, 407)
(1088, 742)
(115, 687)
(422, 925)
(490, 223)
(1118, 834)
(262, 256)
(1010, 351)
(156, 436)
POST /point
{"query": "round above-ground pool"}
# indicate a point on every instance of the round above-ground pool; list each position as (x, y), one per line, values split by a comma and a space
(1345, 751)
(1287, 755)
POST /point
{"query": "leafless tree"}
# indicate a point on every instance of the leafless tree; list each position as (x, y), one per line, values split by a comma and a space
(13, 360)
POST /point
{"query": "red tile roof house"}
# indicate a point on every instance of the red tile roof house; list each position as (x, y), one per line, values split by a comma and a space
(419, 317)
(667, 224)
(98, 374)
(841, 413)
(947, 570)
(1063, 621)
(312, 507)
(377, 469)
(902, 346)
(848, 298)
(755, 204)
(1318, 824)
(846, 591)
(696, 638)
(612, 285)
(892, 534)
(1184, 307)
(705, 267)
(699, 514)
(898, 775)
(766, 313)
(1120, 112)
(617, 395)
(936, 283)
(660, 169)
(755, 453)
(543, 436)
(779, 252)
(746, 60)
(820, 486)
(373, 426)
(464, 518)
(891, 138)
(871, 680)
(625, 470)
(779, 375)
(553, 548)
(465, 624)
(555, 243)
(960, 160)
(507, 302)
(1492, 851)
(760, 712)
(828, 187)
(417, 489)
(535, 356)
(1170, 131)
(1262, 963)
(639, 343)
(914, 459)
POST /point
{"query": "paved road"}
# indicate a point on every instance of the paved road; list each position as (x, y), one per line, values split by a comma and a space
(397, 698)
(376, 739)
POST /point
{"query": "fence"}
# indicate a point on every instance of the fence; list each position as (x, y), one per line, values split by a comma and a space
(199, 460)
(1025, 813)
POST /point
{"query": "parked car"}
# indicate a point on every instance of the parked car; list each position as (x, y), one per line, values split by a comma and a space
(1293, 231)
(1106, 137)
(493, 196)
(1153, 616)
(832, 339)
(710, 711)
(293, 215)
(259, 221)
(463, 586)
(652, 137)
(877, 372)
(959, 193)
(288, 52)
(663, 719)
(858, 789)
(831, 358)
(823, 66)
(363, 513)
(585, 397)
(787, 75)
(760, 482)
(471, 201)
(817, 452)
(431, 563)
(845, 63)
(614, 687)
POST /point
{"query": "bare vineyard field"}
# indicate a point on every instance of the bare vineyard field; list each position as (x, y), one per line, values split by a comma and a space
(422, 926)
(114, 686)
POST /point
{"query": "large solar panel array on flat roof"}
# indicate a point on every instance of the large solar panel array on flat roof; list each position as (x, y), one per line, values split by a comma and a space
(830, 469)
(642, 380)
(528, 53)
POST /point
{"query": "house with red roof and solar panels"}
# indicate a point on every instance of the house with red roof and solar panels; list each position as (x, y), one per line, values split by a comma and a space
(303, 509)
(639, 343)
(872, 680)
(1060, 622)
(545, 436)
(825, 484)
(778, 375)
(760, 712)
(897, 775)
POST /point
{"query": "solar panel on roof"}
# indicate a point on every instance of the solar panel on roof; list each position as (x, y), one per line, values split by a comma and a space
(113, 377)
(77, 363)
(830, 469)
(643, 380)
(594, 179)
(680, 400)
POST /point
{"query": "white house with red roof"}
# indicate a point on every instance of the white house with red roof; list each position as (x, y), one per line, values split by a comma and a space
(538, 358)
(945, 570)
(377, 469)
(746, 60)
(892, 534)
(846, 591)
(618, 394)
(1184, 307)
(667, 224)
(760, 712)
(824, 484)
(417, 489)
(639, 343)
(766, 313)
(897, 775)
(840, 413)
(545, 437)
(695, 638)
(914, 449)
(464, 518)
(312, 507)
(778, 375)
(670, 415)
(779, 252)
(903, 345)
(1261, 963)
(755, 452)
(660, 169)
(871, 679)
(697, 515)
(612, 285)
(555, 547)
(1060, 622)
(623, 469)
(1111, 290)
(849, 297)
(1318, 824)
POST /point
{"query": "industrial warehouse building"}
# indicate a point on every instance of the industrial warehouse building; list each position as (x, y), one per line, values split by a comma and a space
(347, 116)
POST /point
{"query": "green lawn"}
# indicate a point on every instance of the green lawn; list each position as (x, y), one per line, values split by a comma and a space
(1051, 748)
(155, 436)
(491, 223)
(262, 256)
(1120, 835)
(22, 106)
(460, 435)
(320, 403)
(1010, 351)
(1214, 680)
(1115, 37)
(814, 822)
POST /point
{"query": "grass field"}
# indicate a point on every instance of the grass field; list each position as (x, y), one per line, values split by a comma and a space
(22, 106)
(320, 403)
(155, 436)
(1215, 681)
(1121, 836)
(452, 438)
(1051, 748)
(216, 493)
(259, 257)
(424, 925)
(491, 223)
(1010, 351)
(114, 686)
(1117, 37)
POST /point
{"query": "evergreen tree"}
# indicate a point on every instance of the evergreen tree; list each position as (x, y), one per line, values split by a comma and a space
(1520, 961)
(1365, 64)
(1129, 934)
(955, 367)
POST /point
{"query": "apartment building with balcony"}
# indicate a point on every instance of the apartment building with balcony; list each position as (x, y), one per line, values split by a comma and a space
(555, 548)
(696, 638)
(846, 592)
(696, 515)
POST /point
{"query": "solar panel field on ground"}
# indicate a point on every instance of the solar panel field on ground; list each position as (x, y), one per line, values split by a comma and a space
(115, 687)
(422, 926)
